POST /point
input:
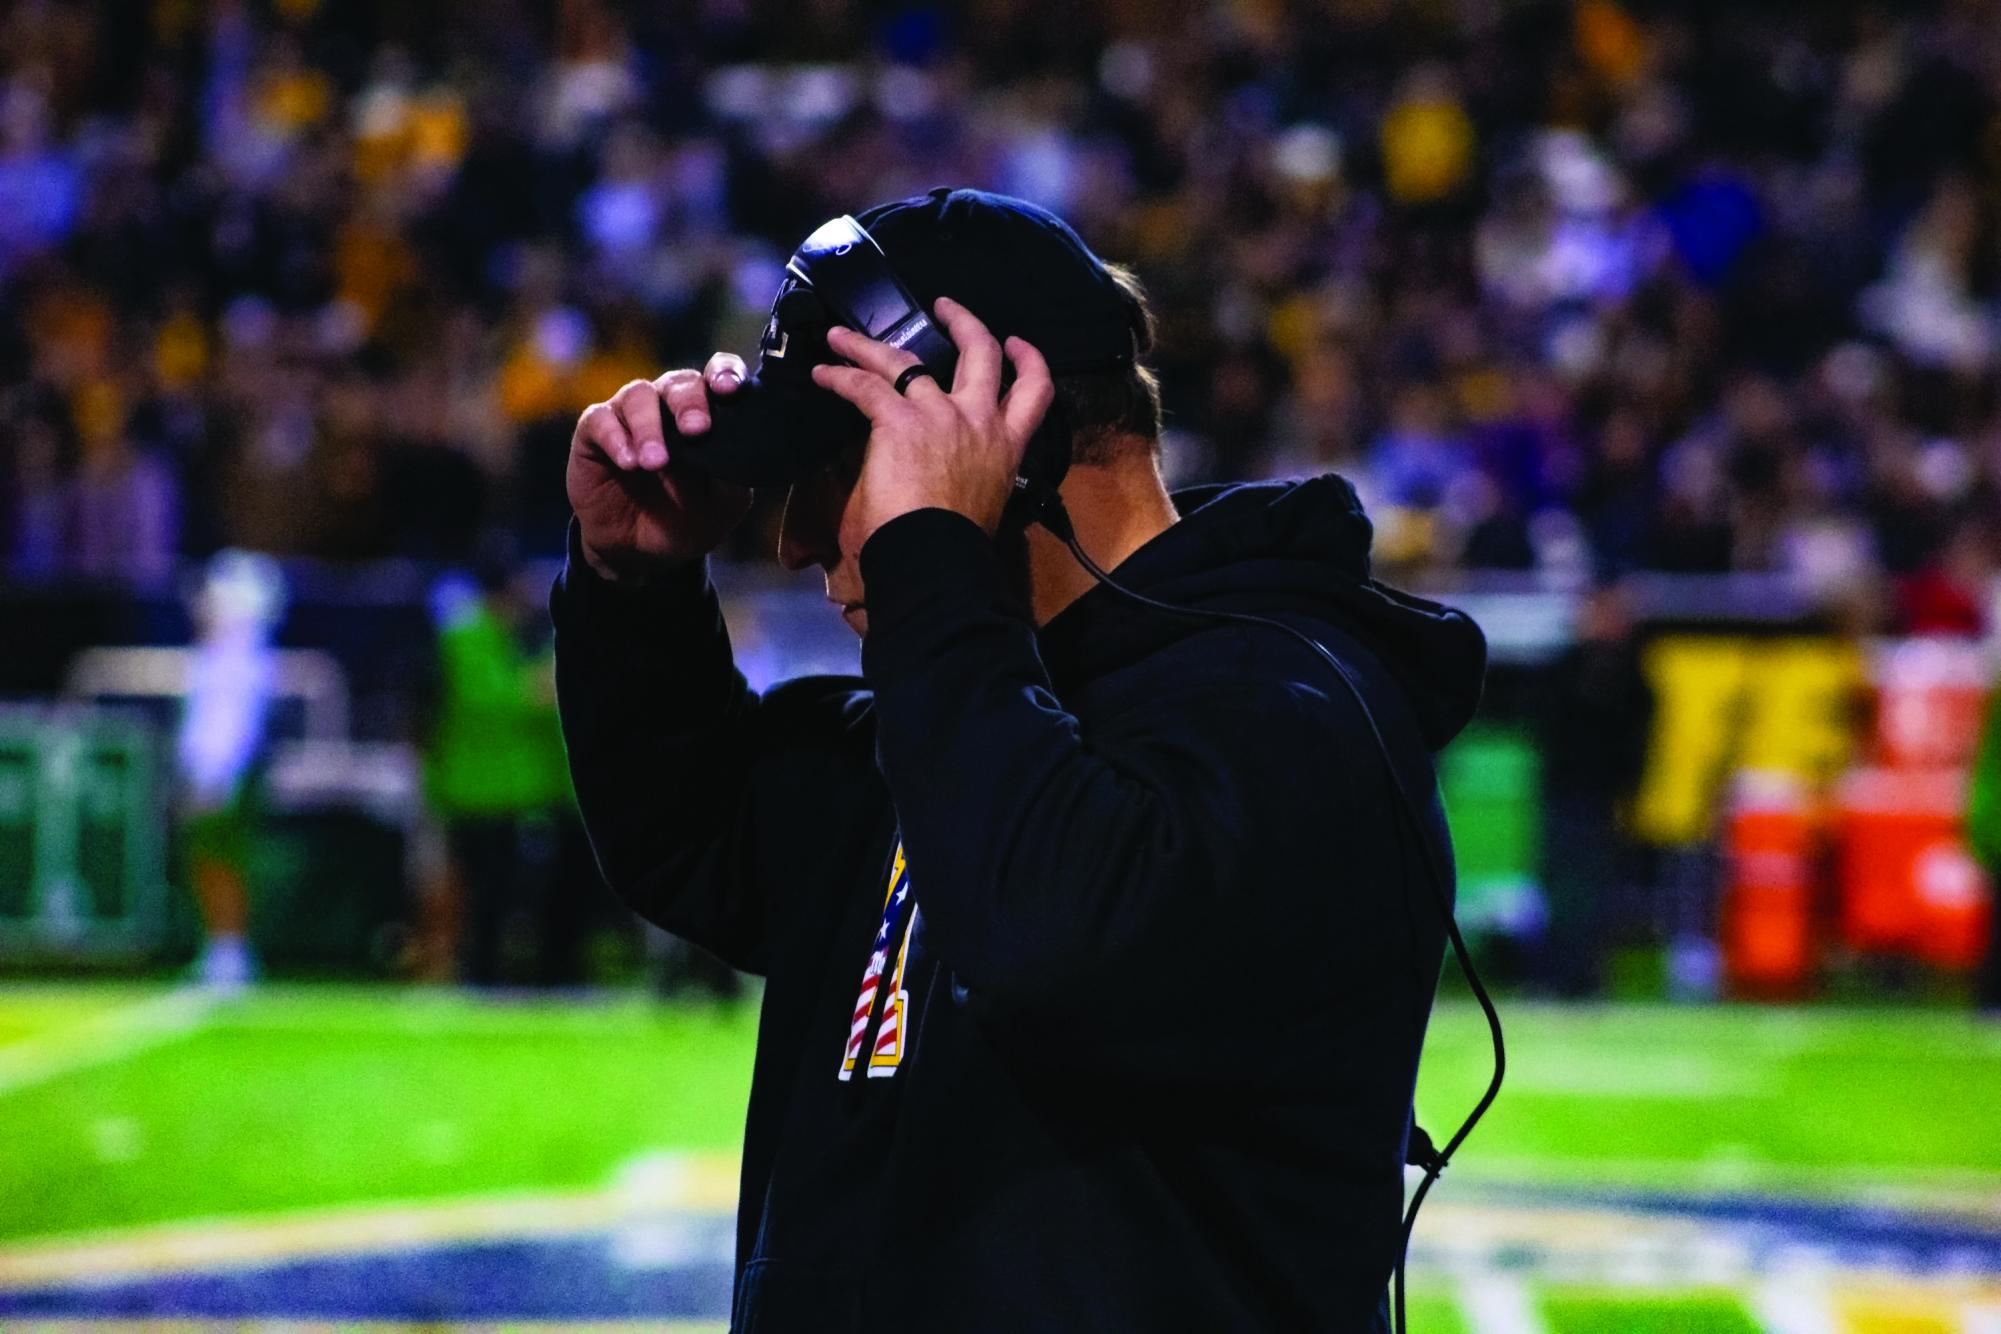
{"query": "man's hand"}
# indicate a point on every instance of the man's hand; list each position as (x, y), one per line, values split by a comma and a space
(636, 518)
(955, 449)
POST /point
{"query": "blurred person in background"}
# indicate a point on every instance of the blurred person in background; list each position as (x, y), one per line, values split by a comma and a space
(123, 503)
(86, 501)
(221, 750)
(496, 778)
(1597, 714)
(35, 495)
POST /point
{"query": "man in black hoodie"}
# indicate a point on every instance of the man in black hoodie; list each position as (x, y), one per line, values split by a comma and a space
(1098, 949)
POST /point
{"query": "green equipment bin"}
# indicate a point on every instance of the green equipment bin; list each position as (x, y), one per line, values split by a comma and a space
(1491, 780)
(82, 830)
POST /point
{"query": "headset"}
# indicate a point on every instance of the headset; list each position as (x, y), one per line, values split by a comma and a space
(779, 426)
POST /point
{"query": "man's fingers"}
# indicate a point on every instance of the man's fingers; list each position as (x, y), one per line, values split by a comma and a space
(687, 400)
(866, 389)
(725, 373)
(601, 428)
(878, 358)
(1029, 397)
(638, 406)
(976, 382)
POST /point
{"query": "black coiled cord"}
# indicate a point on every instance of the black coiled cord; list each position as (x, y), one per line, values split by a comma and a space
(1049, 512)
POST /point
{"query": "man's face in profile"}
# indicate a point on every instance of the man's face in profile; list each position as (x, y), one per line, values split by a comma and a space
(817, 529)
(811, 533)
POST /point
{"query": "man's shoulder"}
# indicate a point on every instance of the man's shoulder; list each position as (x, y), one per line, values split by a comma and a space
(1237, 657)
(1253, 689)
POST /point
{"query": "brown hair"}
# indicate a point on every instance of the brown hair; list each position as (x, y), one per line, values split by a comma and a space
(1108, 410)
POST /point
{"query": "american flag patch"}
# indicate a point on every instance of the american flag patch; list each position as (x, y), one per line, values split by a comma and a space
(899, 911)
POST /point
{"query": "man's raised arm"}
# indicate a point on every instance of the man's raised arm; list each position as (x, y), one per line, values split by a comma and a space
(661, 729)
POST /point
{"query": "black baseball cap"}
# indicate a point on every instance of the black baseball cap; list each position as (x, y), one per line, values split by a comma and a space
(1024, 271)
(1018, 267)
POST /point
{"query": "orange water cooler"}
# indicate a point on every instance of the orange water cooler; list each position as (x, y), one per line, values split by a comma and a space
(1906, 882)
(1767, 909)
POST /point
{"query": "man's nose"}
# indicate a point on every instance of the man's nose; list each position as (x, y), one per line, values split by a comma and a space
(804, 537)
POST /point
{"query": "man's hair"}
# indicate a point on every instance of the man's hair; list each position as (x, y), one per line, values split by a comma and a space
(1109, 411)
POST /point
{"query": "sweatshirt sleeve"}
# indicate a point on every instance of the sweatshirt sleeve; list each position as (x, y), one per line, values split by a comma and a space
(1098, 876)
(673, 755)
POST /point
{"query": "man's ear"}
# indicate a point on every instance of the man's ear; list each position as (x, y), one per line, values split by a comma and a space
(840, 491)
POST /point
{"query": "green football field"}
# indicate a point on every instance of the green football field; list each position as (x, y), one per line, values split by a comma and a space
(1648, 1168)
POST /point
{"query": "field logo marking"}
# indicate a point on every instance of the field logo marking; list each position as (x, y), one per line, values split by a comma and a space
(1794, 1304)
(673, 1187)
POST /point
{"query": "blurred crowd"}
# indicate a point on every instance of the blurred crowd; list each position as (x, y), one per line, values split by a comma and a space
(1566, 288)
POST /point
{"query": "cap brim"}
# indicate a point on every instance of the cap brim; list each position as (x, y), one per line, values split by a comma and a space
(760, 436)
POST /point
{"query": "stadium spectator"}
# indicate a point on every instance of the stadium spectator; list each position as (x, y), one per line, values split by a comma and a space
(1512, 267)
(122, 504)
(35, 486)
(40, 181)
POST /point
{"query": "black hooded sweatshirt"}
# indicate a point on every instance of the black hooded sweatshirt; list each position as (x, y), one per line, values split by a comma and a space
(1098, 958)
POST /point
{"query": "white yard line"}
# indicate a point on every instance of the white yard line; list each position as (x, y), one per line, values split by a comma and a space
(102, 1039)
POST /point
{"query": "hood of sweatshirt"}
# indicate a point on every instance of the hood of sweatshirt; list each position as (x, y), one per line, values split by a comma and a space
(1291, 548)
